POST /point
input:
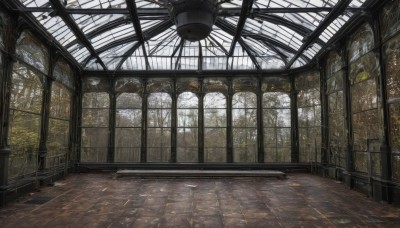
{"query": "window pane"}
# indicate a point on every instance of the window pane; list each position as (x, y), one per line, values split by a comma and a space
(95, 121)
(60, 102)
(187, 138)
(309, 116)
(244, 126)
(277, 122)
(24, 135)
(26, 97)
(159, 127)
(127, 144)
(33, 52)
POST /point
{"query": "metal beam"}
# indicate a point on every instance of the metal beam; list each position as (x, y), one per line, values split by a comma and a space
(337, 10)
(300, 29)
(156, 12)
(171, 35)
(246, 8)
(127, 54)
(219, 45)
(249, 52)
(278, 52)
(60, 11)
(180, 53)
(108, 26)
(229, 29)
(138, 28)
(150, 33)
(196, 73)
(159, 28)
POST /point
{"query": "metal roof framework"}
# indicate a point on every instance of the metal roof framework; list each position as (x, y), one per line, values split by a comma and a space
(138, 35)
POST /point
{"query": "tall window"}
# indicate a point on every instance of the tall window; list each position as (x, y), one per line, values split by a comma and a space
(392, 56)
(95, 127)
(277, 131)
(309, 117)
(159, 127)
(337, 138)
(364, 81)
(214, 127)
(59, 122)
(244, 125)
(28, 78)
(128, 128)
(187, 146)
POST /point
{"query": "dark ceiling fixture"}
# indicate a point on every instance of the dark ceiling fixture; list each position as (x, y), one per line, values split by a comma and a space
(193, 18)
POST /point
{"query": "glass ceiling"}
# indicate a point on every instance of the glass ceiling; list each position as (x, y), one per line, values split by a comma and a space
(247, 35)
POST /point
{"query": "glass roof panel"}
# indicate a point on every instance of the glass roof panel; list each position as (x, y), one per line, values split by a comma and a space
(95, 4)
(297, 3)
(232, 4)
(357, 3)
(90, 22)
(56, 27)
(266, 58)
(113, 56)
(220, 38)
(333, 27)
(36, 3)
(163, 44)
(148, 3)
(146, 24)
(93, 65)
(112, 35)
(79, 52)
(270, 39)
(279, 32)
(136, 61)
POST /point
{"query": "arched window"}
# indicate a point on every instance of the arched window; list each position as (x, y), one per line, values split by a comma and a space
(309, 116)
(159, 127)
(95, 127)
(277, 123)
(214, 127)
(64, 74)
(244, 126)
(390, 18)
(59, 121)
(392, 52)
(187, 132)
(25, 119)
(364, 76)
(128, 128)
(27, 83)
(337, 138)
(33, 52)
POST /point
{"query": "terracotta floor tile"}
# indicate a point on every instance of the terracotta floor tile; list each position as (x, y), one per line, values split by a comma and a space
(101, 200)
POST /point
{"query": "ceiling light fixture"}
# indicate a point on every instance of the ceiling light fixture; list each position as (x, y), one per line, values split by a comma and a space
(193, 18)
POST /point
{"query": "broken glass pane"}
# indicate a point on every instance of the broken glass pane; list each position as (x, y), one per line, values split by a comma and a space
(33, 52)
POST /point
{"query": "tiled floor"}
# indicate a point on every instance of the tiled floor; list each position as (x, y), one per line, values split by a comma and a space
(100, 200)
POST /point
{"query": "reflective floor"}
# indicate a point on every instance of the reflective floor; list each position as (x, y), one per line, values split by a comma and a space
(101, 200)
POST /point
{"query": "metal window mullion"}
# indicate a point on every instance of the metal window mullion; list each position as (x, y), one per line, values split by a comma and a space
(260, 122)
(111, 124)
(143, 150)
(174, 119)
(229, 123)
(200, 124)
(294, 122)
(386, 157)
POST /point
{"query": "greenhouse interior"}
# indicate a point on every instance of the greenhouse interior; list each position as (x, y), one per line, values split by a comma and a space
(301, 86)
